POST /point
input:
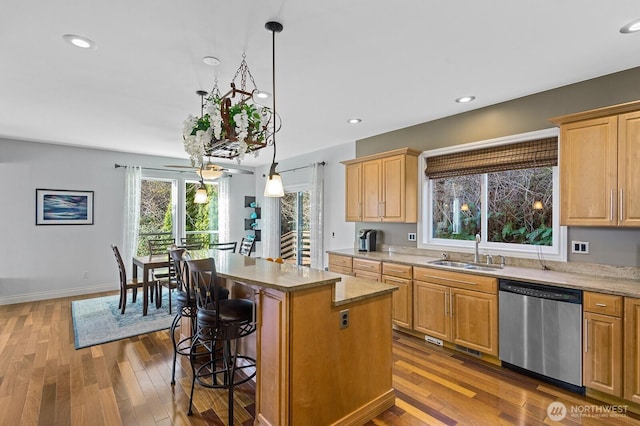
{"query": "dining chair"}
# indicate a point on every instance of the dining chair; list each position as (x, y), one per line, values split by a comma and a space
(246, 246)
(192, 242)
(125, 285)
(166, 277)
(225, 246)
(160, 246)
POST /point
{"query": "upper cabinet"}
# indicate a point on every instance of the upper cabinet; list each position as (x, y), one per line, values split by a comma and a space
(598, 149)
(382, 187)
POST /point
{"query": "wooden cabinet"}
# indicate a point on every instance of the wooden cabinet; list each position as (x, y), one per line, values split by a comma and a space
(353, 192)
(370, 269)
(382, 187)
(402, 308)
(340, 264)
(632, 349)
(602, 343)
(456, 307)
(599, 151)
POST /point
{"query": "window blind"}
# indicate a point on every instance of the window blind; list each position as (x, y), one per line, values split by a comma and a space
(520, 155)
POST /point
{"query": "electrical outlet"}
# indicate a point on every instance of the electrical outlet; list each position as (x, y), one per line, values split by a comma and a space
(411, 236)
(344, 319)
(580, 247)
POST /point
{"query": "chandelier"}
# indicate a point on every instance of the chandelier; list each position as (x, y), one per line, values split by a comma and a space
(230, 125)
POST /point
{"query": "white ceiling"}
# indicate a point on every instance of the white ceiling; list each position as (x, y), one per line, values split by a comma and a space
(391, 63)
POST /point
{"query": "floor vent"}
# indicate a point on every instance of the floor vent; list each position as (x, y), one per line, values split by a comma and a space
(469, 351)
(433, 340)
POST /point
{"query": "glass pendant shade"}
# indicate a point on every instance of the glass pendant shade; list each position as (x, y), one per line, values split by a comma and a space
(274, 188)
(201, 196)
(209, 174)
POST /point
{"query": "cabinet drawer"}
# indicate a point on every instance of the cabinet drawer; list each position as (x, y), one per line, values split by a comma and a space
(397, 270)
(368, 275)
(337, 260)
(367, 265)
(607, 304)
(340, 269)
(456, 279)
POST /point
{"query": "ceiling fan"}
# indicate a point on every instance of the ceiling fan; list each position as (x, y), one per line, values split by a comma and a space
(210, 171)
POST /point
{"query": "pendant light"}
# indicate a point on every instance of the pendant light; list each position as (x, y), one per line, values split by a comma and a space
(201, 196)
(273, 187)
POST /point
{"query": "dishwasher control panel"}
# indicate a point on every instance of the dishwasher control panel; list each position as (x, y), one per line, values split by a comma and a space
(541, 291)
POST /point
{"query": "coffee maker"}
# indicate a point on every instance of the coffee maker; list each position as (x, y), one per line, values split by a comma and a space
(367, 240)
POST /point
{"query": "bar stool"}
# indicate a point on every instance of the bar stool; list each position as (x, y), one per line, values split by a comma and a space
(219, 324)
(186, 307)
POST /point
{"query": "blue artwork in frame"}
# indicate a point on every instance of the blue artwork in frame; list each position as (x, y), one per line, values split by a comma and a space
(64, 207)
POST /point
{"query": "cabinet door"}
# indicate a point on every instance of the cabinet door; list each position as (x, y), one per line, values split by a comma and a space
(371, 190)
(402, 312)
(603, 353)
(431, 309)
(353, 192)
(588, 170)
(474, 320)
(392, 200)
(628, 160)
(632, 349)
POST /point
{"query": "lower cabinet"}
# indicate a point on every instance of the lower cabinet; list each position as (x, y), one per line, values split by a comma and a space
(365, 268)
(632, 349)
(340, 264)
(402, 308)
(444, 306)
(602, 343)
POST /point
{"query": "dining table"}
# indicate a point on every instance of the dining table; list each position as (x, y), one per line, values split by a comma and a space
(148, 264)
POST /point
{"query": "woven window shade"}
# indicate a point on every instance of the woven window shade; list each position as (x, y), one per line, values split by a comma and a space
(522, 155)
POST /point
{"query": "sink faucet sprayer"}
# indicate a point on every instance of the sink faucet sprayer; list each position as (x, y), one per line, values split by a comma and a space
(476, 255)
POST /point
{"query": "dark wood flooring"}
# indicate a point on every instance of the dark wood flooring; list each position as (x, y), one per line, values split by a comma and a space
(45, 381)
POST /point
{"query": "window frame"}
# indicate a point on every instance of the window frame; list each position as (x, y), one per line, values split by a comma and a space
(556, 252)
(178, 196)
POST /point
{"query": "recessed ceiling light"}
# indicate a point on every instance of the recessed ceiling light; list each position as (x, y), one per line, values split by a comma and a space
(79, 41)
(211, 61)
(465, 99)
(354, 120)
(631, 27)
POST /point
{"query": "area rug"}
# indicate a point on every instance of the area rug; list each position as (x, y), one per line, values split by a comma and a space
(98, 320)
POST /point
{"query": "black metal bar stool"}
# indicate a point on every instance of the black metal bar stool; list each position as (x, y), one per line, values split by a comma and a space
(219, 324)
(186, 307)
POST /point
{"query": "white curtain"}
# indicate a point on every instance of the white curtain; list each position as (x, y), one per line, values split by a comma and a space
(133, 178)
(271, 227)
(224, 228)
(316, 180)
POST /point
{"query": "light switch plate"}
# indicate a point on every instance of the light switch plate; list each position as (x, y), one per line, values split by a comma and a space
(580, 247)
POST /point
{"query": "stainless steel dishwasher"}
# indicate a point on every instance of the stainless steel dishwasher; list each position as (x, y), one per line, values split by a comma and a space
(541, 332)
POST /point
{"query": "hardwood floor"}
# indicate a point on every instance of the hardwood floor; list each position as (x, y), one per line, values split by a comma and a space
(45, 381)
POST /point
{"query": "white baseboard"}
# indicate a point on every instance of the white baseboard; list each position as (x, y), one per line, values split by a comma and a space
(55, 294)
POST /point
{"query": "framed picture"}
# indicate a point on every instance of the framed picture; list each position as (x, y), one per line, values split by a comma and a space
(63, 207)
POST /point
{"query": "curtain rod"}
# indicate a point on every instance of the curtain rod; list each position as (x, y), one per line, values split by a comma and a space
(320, 163)
(117, 166)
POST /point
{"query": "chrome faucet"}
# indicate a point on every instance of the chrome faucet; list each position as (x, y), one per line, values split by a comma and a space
(445, 256)
(476, 256)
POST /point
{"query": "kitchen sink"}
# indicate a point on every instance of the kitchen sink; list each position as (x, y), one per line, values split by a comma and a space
(450, 263)
(465, 265)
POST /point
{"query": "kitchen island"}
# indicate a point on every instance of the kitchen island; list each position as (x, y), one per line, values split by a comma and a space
(312, 368)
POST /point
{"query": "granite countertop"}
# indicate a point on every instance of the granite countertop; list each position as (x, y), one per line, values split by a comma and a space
(351, 289)
(290, 278)
(596, 283)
